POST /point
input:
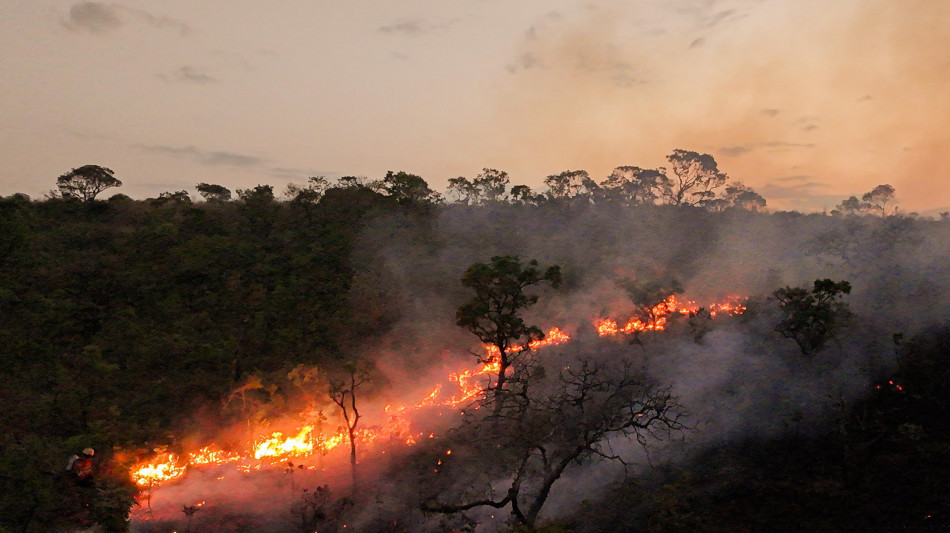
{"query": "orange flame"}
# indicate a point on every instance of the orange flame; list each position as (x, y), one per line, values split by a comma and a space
(275, 448)
(660, 313)
(163, 468)
(298, 446)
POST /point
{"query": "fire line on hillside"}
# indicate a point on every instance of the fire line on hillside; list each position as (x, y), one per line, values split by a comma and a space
(274, 450)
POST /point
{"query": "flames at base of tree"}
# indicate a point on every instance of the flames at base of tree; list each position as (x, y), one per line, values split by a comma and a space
(275, 450)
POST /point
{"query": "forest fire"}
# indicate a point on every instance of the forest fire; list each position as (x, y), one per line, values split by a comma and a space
(161, 469)
(657, 317)
(275, 448)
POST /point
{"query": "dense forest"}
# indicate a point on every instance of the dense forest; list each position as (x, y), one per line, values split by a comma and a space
(129, 326)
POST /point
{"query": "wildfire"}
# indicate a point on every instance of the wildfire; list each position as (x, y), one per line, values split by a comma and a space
(659, 315)
(210, 455)
(298, 446)
(163, 468)
(275, 448)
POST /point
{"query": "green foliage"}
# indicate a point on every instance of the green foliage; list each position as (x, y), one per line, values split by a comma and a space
(811, 317)
(494, 314)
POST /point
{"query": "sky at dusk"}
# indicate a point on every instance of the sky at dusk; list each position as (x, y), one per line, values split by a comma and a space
(806, 101)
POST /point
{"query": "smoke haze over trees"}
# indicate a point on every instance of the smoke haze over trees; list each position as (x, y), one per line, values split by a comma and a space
(128, 325)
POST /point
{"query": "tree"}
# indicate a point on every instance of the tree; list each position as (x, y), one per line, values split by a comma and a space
(463, 190)
(648, 298)
(570, 184)
(343, 393)
(567, 412)
(260, 195)
(738, 196)
(176, 198)
(408, 189)
(86, 182)
(811, 317)
(351, 182)
(306, 198)
(523, 195)
(213, 193)
(878, 198)
(696, 177)
(494, 313)
(491, 184)
(631, 185)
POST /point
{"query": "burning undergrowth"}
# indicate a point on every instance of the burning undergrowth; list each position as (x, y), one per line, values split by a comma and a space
(703, 337)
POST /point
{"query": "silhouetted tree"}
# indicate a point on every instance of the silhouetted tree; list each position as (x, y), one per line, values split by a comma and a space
(696, 177)
(177, 198)
(878, 198)
(631, 185)
(523, 195)
(408, 189)
(463, 190)
(739, 196)
(213, 193)
(491, 184)
(570, 184)
(86, 182)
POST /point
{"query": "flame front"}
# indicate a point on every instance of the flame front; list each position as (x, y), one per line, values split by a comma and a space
(275, 448)
(659, 315)
(162, 469)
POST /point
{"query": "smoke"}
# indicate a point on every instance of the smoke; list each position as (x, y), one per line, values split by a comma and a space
(739, 380)
(847, 98)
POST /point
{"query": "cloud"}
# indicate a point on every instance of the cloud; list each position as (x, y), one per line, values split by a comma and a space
(525, 62)
(189, 74)
(101, 18)
(205, 157)
(800, 192)
(772, 146)
(221, 158)
(406, 27)
(94, 17)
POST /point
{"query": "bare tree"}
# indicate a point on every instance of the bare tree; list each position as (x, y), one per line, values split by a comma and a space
(561, 418)
(343, 393)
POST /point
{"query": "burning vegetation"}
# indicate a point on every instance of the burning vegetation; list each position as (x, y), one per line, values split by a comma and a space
(265, 365)
(274, 450)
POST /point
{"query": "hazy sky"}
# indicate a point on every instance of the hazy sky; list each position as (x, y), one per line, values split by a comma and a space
(807, 101)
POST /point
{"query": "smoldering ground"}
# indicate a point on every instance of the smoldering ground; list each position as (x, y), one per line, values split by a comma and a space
(739, 379)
